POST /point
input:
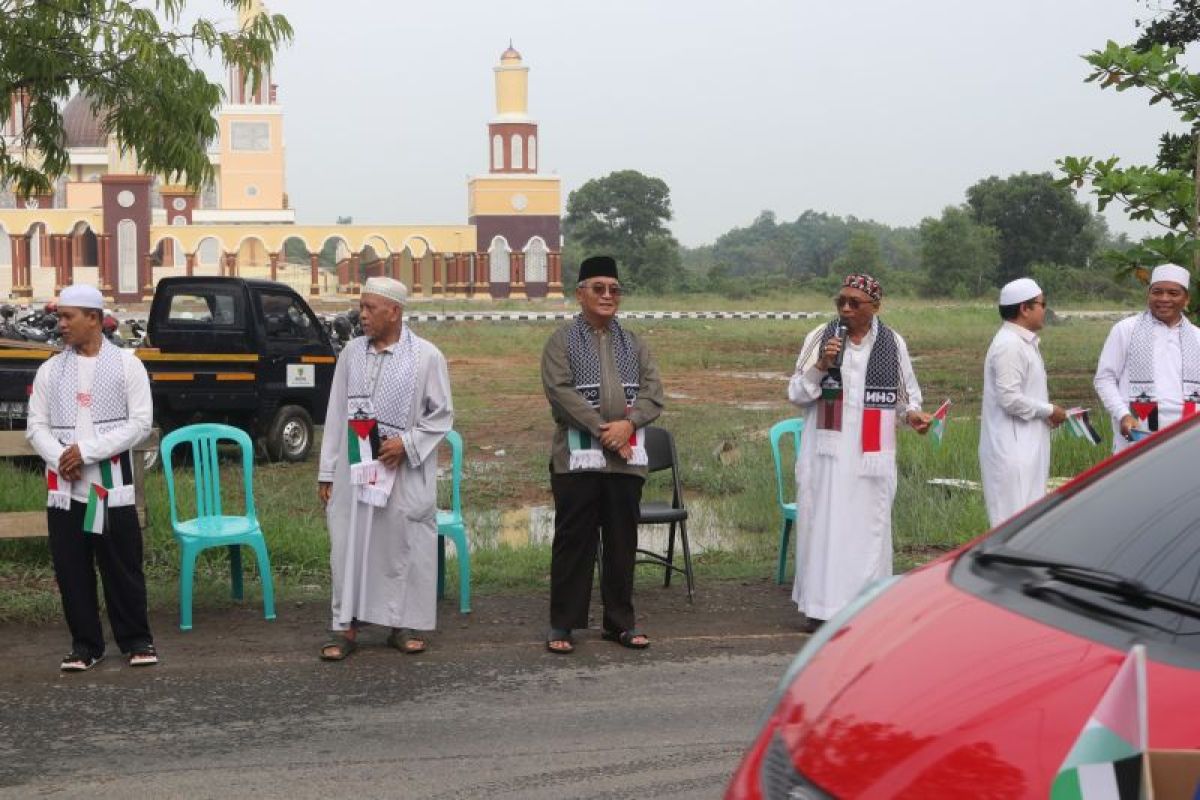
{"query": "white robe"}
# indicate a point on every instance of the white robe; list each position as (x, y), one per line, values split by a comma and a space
(843, 519)
(400, 582)
(1014, 439)
(1112, 379)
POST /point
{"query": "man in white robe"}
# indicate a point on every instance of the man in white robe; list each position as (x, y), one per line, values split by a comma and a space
(846, 469)
(1014, 439)
(1149, 371)
(389, 408)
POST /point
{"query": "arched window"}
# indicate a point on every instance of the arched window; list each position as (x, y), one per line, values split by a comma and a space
(497, 152)
(498, 252)
(127, 282)
(518, 157)
(535, 260)
(532, 152)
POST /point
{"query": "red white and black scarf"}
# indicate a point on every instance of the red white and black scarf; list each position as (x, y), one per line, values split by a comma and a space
(1143, 401)
(109, 408)
(881, 393)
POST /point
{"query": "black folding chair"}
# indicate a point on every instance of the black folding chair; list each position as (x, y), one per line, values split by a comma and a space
(660, 451)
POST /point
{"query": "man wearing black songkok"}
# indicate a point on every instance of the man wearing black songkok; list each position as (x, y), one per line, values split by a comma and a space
(603, 389)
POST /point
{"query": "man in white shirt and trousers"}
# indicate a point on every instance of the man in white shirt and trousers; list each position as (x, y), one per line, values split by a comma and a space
(89, 406)
(1149, 371)
(1014, 439)
(389, 409)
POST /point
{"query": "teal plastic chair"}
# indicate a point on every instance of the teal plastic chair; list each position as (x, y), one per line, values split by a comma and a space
(211, 527)
(780, 429)
(450, 524)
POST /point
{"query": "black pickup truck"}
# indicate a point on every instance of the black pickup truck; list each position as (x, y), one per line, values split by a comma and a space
(247, 352)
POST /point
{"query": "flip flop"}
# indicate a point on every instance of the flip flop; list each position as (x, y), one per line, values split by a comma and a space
(403, 640)
(341, 647)
(626, 638)
(560, 636)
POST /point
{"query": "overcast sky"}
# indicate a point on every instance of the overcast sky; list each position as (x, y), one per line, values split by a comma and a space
(881, 109)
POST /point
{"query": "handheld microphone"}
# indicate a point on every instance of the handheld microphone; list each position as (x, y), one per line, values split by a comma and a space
(840, 332)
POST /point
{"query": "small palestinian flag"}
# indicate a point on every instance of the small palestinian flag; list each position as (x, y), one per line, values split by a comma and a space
(362, 444)
(937, 425)
(93, 517)
(1080, 426)
(58, 492)
(830, 411)
(1106, 761)
(1146, 413)
(116, 475)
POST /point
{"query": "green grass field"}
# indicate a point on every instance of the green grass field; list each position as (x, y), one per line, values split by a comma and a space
(726, 385)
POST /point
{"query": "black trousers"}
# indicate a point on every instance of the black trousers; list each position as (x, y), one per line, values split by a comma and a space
(591, 507)
(118, 554)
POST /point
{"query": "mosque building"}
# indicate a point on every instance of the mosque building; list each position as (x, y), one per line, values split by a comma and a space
(106, 224)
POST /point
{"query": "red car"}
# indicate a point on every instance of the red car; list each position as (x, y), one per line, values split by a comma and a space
(973, 676)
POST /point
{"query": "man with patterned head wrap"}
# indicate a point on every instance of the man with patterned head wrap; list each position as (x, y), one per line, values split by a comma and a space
(389, 408)
(855, 383)
(603, 389)
(1014, 439)
(1149, 371)
(90, 405)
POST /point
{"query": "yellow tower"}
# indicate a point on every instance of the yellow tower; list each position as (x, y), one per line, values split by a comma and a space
(251, 168)
(516, 211)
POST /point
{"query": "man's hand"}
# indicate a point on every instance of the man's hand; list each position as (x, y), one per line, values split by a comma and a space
(324, 492)
(1128, 423)
(1058, 415)
(613, 435)
(70, 463)
(626, 451)
(918, 421)
(829, 353)
(391, 452)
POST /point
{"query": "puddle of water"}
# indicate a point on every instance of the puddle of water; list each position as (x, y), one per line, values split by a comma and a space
(520, 527)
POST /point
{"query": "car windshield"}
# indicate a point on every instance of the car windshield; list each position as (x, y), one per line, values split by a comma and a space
(1132, 534)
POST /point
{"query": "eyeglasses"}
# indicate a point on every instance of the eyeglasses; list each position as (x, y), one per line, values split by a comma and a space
(852, 302)
(601, 289)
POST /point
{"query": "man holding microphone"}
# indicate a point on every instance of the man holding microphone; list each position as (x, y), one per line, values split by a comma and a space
(854, 394)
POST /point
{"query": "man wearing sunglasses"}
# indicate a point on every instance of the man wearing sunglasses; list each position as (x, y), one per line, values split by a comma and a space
(603, 389)
(853, 402)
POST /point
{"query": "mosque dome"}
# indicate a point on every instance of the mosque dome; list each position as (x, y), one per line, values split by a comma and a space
(510, 55)
(82, 127)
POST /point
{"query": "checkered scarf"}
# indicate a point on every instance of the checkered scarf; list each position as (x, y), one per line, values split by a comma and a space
(584, 359)
(1139, 367)
(387, 400)
(882, 391)
(109, 410)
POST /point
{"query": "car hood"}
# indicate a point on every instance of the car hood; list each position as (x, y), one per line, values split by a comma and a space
(932, 692)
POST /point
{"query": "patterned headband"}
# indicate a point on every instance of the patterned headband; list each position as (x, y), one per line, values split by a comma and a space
(864, 283)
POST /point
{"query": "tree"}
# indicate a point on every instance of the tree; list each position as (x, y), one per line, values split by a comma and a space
(138, 72)
(960, 256)
(1163, 193)
(624, 214)
(1037, 219)
(862, 254)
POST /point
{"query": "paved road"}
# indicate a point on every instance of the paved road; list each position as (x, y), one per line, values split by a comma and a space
(486, 713)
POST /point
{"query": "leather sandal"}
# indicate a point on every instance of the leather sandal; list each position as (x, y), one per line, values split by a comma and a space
(562, 638)
(626, 638)
(406, 641)
(338, 648)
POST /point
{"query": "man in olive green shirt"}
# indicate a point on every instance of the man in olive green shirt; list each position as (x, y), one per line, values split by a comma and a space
(603, 390)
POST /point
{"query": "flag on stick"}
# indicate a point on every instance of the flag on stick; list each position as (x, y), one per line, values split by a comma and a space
(1106, 760)
(937, 425)
(1080, 426)
(93, 517)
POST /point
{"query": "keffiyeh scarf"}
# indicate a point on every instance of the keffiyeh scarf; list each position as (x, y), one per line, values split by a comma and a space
(379, 397)
(881, 393)
(1143, 400)
(109, 411)
(584, 358)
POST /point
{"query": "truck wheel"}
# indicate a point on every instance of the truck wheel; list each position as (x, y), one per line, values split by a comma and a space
(290, 436)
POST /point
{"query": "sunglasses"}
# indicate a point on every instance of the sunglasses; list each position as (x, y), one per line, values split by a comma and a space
(853, 303)
(602, 289)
